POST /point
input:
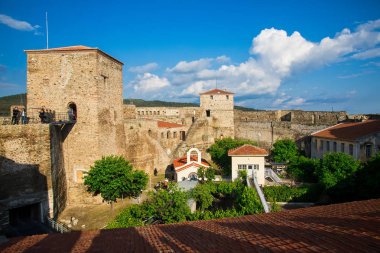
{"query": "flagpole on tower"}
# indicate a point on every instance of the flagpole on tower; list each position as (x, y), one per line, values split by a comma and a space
(47, 32)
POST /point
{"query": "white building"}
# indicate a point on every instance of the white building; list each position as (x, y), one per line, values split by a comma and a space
(250, 158)
(186, 167)
(358, 139)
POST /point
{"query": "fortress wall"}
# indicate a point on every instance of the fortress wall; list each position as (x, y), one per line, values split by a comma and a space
(129, 112)
(266, 133)
(261, 116)
(25, 168)
(179, 115)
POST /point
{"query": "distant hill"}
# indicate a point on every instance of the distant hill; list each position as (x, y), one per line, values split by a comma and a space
(6, 102)
(157, 103)
(20, 99)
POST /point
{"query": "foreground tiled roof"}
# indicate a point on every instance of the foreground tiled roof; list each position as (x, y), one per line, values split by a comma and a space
(349, 131)
(217, 92)
(183, 160)
(348, 227)
(247, 150)
(163, 124)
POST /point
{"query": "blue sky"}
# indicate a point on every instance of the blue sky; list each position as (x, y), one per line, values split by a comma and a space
(310, 55)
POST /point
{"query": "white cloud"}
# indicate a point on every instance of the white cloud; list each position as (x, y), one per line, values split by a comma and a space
(222, 59)
(149, 82)
(17, 24)
(371, 53)
(192, 66)
(144, 68)
(197, 87)
(275, 57)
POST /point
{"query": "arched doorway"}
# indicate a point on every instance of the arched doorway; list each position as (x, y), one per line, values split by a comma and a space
(72, 111)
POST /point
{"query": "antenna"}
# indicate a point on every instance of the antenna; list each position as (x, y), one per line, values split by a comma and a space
(47, 32)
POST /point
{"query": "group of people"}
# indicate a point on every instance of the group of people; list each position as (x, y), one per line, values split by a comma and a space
(45, 115)
(17, 114)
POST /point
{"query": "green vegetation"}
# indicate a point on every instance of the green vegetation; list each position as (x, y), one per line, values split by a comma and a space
(113, 177)
(6, 102)
(284, 150)
(305, 193)
(336, 167)
(163, 206)
(302, 169)
(214, 200)
(219, 152)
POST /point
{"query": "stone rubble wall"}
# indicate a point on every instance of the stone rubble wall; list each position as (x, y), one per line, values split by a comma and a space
(26, 171)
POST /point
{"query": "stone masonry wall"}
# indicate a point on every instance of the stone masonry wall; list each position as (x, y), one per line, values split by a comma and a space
(25, 168)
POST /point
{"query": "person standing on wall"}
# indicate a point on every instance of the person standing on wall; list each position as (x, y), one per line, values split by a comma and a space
(15, 115)
(23, 117)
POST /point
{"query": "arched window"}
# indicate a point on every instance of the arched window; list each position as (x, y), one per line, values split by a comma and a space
(72, 111)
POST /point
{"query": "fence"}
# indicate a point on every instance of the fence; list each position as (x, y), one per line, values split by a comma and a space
(34, 116)
(57, 226)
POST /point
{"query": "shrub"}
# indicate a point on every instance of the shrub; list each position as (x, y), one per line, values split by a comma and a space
(284, 150)
(285, 193)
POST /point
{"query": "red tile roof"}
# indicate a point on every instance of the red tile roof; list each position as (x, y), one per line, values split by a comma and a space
(347, 227)
(73, 49)
(350, 131)
(183, 160)
(247, 150)
(217, 92)
(164, 124)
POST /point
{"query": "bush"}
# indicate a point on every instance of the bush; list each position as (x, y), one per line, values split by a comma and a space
(302, 169)
(283, 193)
(284, 150)
(335, 168)
(248, 201)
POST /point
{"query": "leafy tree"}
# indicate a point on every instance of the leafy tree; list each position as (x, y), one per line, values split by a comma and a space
(201, 173)
(169, 205)
(284, 150)
(248, 201)
(219, 152)
(303, 169)
(336, 167)
(210, 174)
(114, 177)
(242, 176)
(202, 194)
(368, 178)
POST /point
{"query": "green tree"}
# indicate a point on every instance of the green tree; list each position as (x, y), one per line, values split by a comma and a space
(368, 178)
(169, 205)
(302, 169)
(284, 150)
(335, 168)
(248, 201)
(210, 174)
(201, 173)
(202, 194)
(113, 177)
(219, 152)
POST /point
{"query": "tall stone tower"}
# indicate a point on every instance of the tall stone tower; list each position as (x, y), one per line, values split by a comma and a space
(217, 106)
(88, 82)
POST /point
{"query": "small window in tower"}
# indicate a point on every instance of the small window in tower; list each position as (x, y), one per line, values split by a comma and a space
(228, 97)
(212, 97)
(208, 113)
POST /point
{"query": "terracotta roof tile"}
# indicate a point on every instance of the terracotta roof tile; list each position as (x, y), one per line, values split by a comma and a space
(73, 49)
(217, 92)
(347, 227)
(163, 124)
(349, 131)
(247, 150)
(183, 160)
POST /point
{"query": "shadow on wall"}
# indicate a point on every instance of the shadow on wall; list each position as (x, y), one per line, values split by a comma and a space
(24, 201)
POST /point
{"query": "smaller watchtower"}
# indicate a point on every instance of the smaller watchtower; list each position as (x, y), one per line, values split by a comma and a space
(217, 106)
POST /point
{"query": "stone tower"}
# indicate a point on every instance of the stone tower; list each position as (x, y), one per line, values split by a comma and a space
(217, 106)
(88, 82)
